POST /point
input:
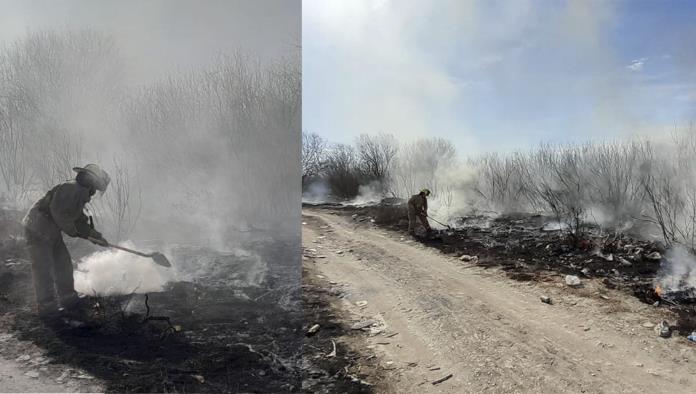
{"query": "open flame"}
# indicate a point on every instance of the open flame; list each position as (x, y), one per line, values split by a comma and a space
(658, 290)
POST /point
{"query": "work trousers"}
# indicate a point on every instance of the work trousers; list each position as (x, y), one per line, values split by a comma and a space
(52, 272)
(412, 215)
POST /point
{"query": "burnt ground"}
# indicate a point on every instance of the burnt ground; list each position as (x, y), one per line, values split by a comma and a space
(217, 338)
(526, 250)
(348, 370)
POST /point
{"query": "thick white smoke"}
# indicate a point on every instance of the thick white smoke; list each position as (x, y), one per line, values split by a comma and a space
(113, 272)
(678, 270)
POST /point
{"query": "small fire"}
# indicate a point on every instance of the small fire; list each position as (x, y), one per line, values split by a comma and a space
(658, 290)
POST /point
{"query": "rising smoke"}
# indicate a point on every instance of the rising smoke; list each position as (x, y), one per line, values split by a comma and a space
(200, 157)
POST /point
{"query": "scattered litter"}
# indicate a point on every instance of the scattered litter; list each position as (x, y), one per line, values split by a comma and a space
(692, 337)
(361, 303)
(602, 296)
(333, 352)
(376, 330)
(654, 256)
(434, 368)
(391, 335)
(199, 378)
(383, 343)
(442, 379)
(572, 280)
(363, 324)
(466, 257)
(546, 300)
(647, 324)
(663, 329)
(84, 376)
(313, 330)
(356, 380)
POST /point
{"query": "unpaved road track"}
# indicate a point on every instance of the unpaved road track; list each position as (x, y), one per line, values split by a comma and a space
(491, 333)
(14, 380)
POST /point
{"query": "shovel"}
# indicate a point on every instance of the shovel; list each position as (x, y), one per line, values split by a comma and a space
(157, 257)
(440, 223)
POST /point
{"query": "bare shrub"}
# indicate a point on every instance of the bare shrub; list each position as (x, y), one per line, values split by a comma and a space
(121, 206)
(14, 164)
(342, 174)
(499, 183)
(669, 182)
(419, 163)
(313, 157)
(376, 154)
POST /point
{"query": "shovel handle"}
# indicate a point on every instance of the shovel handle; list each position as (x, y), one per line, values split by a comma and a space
(130, 250)
(440, 223)
(126, 249)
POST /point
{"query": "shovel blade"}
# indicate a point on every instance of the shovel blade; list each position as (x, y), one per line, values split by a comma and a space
(161, 259)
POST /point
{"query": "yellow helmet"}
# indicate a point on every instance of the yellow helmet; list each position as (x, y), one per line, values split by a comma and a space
(425, 191)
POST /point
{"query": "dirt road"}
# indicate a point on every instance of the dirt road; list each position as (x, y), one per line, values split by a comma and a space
(492, 334)
(13, 379)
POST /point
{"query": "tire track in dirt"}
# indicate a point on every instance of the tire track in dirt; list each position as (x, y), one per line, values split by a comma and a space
(493, 335)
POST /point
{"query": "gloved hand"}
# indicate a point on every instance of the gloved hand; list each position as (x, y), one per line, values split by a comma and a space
(100, 241)
(96, 238)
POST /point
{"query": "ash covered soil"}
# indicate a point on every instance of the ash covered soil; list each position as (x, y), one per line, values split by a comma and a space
(462, 311)
(200, 336)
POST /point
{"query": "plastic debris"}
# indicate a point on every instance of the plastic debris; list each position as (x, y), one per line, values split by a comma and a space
(363, 324)
(572, 280)
(663, 329)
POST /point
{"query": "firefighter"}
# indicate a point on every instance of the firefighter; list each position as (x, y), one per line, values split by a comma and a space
(61, 211)
(418, 208)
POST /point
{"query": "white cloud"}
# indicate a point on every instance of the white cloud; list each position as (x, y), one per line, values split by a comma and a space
(637, 64)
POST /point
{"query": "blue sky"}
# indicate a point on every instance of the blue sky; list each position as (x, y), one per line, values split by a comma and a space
(498, 75)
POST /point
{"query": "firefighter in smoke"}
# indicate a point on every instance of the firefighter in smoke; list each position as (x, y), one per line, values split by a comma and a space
(418, 208)
(61, 210)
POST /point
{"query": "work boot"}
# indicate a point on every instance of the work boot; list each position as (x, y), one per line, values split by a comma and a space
(77, 312)
(71, 301)
(48, 312)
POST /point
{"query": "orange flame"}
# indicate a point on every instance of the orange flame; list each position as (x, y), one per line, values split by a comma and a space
(658, 290)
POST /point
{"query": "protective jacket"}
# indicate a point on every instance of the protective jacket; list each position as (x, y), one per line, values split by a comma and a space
(419, 202)
(61, 209)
